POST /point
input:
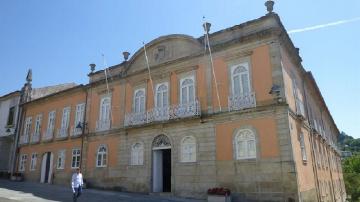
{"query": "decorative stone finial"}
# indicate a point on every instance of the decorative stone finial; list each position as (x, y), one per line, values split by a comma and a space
(269, 6)
(126, 55)
(29, 76)
(92, 67)
(207, 26)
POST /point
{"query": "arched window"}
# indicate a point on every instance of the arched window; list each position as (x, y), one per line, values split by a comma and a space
(139, 100)
(188, 149)
(187, 90)
(161, 95)
(101, 160)
(245, 144)
(105, 105)
(137, 154)
(240, 79)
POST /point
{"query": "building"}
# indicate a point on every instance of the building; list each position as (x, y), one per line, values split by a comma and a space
(9, 105)
(250, 118)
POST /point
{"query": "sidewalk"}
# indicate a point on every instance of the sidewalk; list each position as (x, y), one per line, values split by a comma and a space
(37, 192)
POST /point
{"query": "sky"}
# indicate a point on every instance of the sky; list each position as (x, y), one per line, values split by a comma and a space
(58, 39)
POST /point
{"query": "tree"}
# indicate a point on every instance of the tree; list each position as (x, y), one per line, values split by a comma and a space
(351, 168)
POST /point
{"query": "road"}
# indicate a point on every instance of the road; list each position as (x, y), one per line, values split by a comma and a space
(37, 192)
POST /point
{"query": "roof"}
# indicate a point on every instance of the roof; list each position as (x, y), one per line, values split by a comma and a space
(14, 93)
(37, 93)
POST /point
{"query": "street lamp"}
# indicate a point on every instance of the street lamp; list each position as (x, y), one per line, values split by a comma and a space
(81, 126)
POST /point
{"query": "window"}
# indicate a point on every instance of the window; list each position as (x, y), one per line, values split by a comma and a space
(51, 123)
(79, 114)
(22, 164)
(27, 128)
(161, 98)
(137, 154)
(187, 90)
(240, 79)
(245, 145)
(101, 157)
(60, 164)
(75, 163)
(139, 100)
(188, 149)
(302, 146)
(33, 161)
(11, 117)
(105, 105)
(65, 118)
(38, 124)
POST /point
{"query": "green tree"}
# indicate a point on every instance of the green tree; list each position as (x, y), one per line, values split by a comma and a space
(351, 168)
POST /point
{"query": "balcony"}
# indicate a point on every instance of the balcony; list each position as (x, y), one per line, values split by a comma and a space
(300, 110)
(163, 114)
(102, 125)
(35, 138)
(48, 135)
(75, 132)
(62, 133)
(24, 139)
(239, 102)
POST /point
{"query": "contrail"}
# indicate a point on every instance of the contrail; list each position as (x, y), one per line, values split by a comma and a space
(324, 25)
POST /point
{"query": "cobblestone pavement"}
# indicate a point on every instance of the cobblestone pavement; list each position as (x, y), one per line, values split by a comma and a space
(37, 192)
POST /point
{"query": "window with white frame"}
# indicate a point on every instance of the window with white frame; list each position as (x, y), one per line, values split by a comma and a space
(137, 154)
(65, 118)
(161, 98)
(302, 146)
(38, 124)
(33, 161)
(139, 100)
(22, 163)
(60, 163)
(75, 162)
(188, 149)
(51, 123)
(79, 114)
(187, 90)
(27, 128)
(101, 157)
(245, 144)
(105, 109)
(240, 79)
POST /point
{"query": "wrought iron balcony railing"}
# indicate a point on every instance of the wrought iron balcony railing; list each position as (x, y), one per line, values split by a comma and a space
(244, 101)
(76, 132)
(49, 135)
(62, 133)
(24, 139)
(102, 125)
(35, 138)
(163, 114)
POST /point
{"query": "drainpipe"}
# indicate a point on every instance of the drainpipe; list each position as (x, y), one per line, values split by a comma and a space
(84, 124)
(311, 141)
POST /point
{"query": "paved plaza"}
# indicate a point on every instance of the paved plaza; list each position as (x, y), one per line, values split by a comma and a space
(37, 192)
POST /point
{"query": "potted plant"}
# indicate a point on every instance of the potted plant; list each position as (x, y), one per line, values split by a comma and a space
(218, 194)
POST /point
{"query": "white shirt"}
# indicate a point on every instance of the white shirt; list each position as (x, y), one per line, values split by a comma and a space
(76, 180)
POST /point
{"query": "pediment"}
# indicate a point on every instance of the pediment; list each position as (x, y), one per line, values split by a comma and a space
(164, 49)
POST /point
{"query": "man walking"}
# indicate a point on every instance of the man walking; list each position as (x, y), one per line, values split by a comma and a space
(76, 184)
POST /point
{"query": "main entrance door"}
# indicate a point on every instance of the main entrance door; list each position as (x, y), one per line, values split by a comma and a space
(47, 167)
(161, 164)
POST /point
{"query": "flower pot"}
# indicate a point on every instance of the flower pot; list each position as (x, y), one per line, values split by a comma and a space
(218, 198)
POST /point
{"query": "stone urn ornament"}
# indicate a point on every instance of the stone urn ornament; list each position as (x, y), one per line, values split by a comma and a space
(269, 6)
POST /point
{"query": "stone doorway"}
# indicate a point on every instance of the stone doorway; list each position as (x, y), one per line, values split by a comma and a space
(47, 167)
(161, 164)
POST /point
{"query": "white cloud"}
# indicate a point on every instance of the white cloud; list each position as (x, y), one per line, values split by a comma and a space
(324, 25)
